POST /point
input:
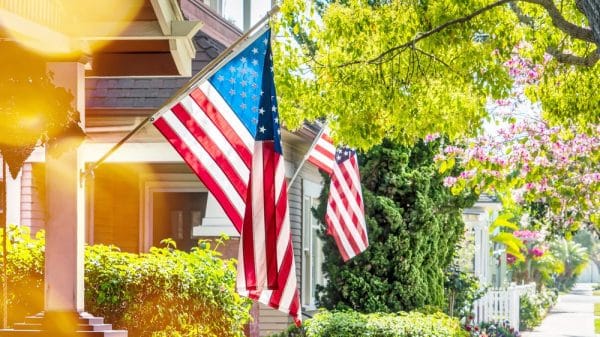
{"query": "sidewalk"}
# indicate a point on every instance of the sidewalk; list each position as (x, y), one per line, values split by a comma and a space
(572, 316)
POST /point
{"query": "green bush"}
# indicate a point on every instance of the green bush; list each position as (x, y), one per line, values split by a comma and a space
(165, 292)
(25, 272)
(412, 324)
(533, 308)
(462, 290)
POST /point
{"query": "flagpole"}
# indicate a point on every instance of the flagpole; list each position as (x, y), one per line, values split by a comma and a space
(306, 156)
(204, 72)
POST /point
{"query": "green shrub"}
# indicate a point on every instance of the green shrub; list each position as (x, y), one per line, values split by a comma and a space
(412, 324)
(462, 290)
(25, 272)
(533, 308)
(165, 292)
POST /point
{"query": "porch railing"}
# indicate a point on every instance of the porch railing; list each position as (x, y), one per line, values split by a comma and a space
(502, 304)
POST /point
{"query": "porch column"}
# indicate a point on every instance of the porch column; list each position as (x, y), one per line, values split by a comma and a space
(65, 227)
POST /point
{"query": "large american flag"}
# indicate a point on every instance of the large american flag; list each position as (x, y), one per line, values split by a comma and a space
(227, 130)
(345, 215)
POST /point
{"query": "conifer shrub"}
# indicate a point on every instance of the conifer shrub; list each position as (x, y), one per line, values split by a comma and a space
(414, 223)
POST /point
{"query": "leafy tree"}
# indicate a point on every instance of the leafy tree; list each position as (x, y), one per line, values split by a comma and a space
(413, 223)
(411, 68)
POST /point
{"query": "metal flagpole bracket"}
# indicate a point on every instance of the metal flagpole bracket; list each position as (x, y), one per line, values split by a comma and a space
(306, 156)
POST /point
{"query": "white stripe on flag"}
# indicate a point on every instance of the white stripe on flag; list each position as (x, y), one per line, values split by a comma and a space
(346, 215)
(210, 165)
(217, 137)
(224, 109)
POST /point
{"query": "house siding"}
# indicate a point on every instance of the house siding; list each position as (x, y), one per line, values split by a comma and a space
(33, 196)
(116, 204)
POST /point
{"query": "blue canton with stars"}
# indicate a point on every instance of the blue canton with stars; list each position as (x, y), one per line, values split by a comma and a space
(240, 81)
(268, 117)
(342, 153)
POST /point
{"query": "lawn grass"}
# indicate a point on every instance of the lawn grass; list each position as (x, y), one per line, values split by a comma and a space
(597, 325)
(596, 292)
(596, 309)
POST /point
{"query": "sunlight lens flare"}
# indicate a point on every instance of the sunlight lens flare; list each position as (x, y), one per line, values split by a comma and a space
(66, 28)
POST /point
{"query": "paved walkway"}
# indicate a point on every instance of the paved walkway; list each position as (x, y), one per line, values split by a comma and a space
(572, 316)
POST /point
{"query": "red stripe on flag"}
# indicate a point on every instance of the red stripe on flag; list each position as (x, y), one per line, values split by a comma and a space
(270, 220)
(345, 210)
(214, 150)
(200, 98)
(200, 171)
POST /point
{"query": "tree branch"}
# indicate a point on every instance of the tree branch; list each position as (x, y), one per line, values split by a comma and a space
(380, 57)
(565, 58)
(435, 58)
(577, 32)
(523, 18)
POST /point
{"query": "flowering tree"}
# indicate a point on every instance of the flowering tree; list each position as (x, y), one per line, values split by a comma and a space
(526, 161)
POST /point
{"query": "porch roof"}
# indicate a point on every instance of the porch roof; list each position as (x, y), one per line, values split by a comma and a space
(115, 38)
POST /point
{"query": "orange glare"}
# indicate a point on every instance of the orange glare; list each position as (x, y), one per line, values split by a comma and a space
(66, 28)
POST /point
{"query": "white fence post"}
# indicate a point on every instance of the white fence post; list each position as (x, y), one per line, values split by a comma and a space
(499, 305)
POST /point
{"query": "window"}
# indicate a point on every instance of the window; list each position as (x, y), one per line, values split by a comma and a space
(242, 13)
(312, 252)
(179, 207)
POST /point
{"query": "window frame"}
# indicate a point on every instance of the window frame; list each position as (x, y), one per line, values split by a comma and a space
(312, 273)
(150, 184)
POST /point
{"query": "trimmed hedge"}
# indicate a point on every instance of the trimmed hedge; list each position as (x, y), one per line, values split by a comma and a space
(165, 292)
(352, 323)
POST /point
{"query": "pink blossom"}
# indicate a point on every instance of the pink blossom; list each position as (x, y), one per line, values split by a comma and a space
(526, 235)
(431, 137)
(537, 251)
(467, 174)
(510, 259)
(450, 181)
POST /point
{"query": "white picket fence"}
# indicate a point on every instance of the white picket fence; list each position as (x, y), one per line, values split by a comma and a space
(499, 305)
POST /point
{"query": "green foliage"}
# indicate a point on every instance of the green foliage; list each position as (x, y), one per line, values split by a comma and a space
(574, 259)
(413, 222)
(165, 292)
(361, 61)
(347, 324)
(25, 271)
(533, 308)
(462, 289)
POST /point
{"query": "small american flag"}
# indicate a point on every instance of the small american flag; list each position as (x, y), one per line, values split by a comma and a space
(227, 131)
(345, 215)
(323, 153)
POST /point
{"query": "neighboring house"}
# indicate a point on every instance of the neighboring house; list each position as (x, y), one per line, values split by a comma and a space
(477, 224)
(145, 193)
(501, 299)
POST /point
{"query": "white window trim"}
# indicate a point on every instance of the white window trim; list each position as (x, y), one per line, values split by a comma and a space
(149, 184)
(310, 190)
